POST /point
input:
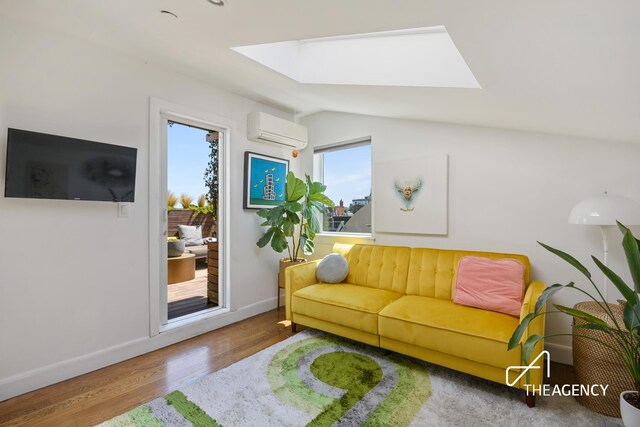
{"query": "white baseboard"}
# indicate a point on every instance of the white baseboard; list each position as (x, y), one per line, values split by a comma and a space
(560, 353)
(41, 377)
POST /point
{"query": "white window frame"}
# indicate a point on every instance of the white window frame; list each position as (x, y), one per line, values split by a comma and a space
(318, 175)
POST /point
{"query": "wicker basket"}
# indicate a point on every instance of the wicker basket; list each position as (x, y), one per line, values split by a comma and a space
(597, 364)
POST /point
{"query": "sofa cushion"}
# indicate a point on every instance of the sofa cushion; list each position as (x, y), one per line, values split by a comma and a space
(332, 269)
(382, 267)
(349, 305)
(432, 272)
(495, 285)
(191, 234)
(446, 327)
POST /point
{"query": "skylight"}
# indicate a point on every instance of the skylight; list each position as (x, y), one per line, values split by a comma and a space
(424, 57)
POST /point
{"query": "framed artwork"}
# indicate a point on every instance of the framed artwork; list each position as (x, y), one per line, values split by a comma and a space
(411, 196)
(264, 180)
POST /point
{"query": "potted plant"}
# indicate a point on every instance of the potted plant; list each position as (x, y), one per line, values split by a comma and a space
(625, 334)
(294, 224)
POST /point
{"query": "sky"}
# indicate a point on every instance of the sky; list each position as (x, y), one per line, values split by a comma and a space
(187, 159)
(347, 174)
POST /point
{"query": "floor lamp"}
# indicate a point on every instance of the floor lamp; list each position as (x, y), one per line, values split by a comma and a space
(604, 211)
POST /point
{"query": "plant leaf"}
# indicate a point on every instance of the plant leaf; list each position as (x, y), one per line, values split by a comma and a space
(317, 204)
(312, 223)
(292, 217)
(527, 348)
(307, 246)
(568, 258)
(279, 241)
(295, 188)
(266, 237)
(519, 331)
(630, 245)
(310, 234)
(275, 215)
(582, 315)
(623, 228)
(263, 213)
(321, 198)
(288, 228)
(547, 294)
(319, 207)
(316, 187)
(293, 207)
(628, 293)
(631, 316)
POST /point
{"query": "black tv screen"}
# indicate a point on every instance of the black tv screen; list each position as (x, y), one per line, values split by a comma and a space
(46, 166)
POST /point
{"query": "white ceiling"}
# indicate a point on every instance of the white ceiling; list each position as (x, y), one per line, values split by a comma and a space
(567, 67)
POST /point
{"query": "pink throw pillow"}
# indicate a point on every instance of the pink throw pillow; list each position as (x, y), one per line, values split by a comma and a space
(491, 284)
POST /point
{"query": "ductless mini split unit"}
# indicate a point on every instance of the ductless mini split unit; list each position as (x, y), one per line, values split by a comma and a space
(262, 127)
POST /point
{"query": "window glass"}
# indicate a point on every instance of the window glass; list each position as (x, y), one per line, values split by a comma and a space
(346, 171)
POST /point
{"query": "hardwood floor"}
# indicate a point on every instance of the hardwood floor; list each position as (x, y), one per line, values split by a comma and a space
(100, 395)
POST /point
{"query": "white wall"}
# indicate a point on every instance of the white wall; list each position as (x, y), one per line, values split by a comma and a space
(507, 190)
(74, 278)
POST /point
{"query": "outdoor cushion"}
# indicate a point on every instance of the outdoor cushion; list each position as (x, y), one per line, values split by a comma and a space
(191, 234)
(491, 284)
(332, 269)
(199, 251)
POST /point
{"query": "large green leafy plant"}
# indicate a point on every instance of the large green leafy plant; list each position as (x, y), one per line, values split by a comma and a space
(625, 334)
(294, 224)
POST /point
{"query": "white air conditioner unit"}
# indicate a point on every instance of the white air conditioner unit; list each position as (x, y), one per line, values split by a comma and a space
(262, 127)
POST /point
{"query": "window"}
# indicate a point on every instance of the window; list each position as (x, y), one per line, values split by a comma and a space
(345, 169)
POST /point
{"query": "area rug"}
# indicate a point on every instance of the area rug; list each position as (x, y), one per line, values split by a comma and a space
(317, 379)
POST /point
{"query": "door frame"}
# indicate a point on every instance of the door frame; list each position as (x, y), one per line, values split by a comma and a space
(160, 112)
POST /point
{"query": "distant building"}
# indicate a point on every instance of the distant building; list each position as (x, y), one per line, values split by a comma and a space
(357, 204)
(339, 210)
(340, 218)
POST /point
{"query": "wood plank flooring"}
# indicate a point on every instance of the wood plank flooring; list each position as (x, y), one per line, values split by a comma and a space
(100, 395)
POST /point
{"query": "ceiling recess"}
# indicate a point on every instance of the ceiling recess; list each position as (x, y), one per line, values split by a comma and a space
(416, 57)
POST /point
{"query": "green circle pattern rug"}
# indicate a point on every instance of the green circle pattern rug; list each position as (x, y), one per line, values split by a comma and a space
(317, 379)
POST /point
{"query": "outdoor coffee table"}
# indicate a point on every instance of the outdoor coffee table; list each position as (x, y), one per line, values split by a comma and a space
(181, 268)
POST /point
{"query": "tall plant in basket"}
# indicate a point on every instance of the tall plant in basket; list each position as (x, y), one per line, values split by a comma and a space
(625, 334)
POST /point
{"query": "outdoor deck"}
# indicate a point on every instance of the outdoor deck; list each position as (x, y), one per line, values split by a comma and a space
(188, 297)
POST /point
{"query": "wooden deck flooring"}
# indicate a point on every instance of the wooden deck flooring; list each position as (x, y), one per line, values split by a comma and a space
(188, 297)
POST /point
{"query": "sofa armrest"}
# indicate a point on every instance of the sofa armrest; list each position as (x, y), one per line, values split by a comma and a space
(297, 277)
(534, 290)
(536, 327)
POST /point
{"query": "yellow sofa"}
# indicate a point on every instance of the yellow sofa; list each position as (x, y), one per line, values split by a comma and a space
(401, 299)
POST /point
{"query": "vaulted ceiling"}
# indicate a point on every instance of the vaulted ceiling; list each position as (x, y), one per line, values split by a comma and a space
(567, 67)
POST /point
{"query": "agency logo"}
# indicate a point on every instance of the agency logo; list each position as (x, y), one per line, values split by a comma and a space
(557, 389)
(527, 368)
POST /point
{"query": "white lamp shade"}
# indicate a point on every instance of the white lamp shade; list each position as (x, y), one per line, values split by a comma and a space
(606, 210)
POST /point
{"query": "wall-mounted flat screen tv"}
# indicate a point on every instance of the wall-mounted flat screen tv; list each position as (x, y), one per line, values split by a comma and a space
(46, 166)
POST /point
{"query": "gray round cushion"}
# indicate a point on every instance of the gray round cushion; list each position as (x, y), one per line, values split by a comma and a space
(332, 269)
